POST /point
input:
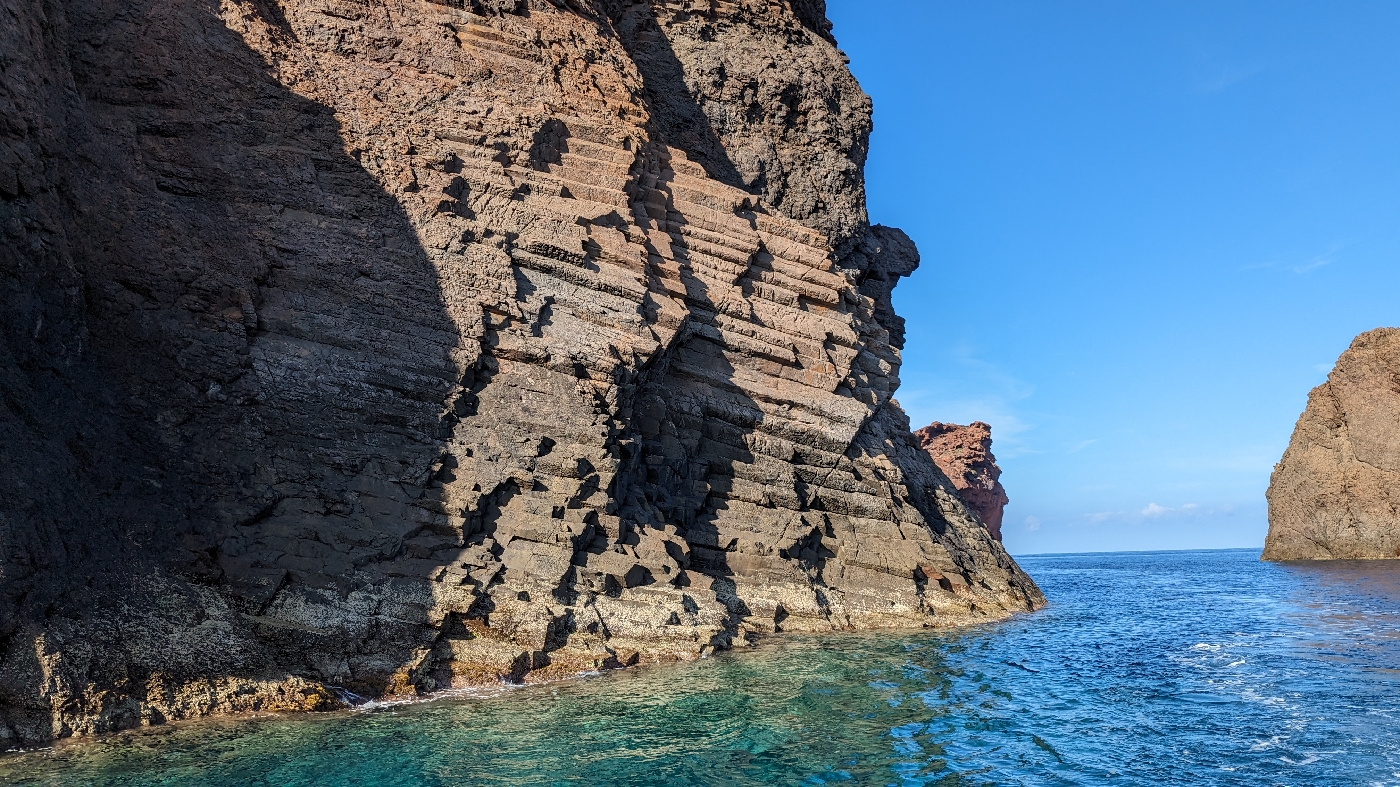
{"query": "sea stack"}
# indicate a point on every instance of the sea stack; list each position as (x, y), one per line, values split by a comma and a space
(1336, 493)
(964, 454)
(386, 346)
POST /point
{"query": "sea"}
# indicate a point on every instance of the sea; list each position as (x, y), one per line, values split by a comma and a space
(1159, 668)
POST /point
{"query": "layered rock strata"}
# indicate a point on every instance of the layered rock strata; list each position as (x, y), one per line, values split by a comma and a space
(383, 346)
(964, 454)
(1335, 495)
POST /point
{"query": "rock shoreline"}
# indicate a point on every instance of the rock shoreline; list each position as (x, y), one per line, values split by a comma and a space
(462, 694)
(402, 345)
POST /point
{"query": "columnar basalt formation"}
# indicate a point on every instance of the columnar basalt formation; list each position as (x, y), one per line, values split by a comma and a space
(1335, 495)
(964, 454)
(383, 346)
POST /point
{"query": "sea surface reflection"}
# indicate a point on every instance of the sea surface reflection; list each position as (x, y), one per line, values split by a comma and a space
(1147, 668)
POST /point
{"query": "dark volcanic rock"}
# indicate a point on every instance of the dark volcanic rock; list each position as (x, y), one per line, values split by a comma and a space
(964, 454)
(396, 346)
(1335, 495)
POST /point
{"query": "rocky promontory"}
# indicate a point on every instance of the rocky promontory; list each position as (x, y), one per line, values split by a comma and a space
(386, 346)
(1336, 493)
(964, 454)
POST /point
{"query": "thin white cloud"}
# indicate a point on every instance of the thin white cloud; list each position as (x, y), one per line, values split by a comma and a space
(1227, 77)
(1244, 461)
(1008, 430)
(1081, 446)
(1032, 523)
(1141, 525)
(1299, 268)
(1007, 385)
(987, 393)
(1311, 266)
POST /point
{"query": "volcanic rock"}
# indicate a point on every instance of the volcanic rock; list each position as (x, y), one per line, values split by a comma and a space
(1336, 493)
(386, 346)
(964, 454)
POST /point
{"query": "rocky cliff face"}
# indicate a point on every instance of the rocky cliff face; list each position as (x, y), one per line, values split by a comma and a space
(1336, 493)
(964, 454)
(387, 346)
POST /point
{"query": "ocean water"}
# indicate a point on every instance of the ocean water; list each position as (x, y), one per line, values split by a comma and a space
(1171, 668)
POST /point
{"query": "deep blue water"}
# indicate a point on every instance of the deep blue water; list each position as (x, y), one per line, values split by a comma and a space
(1178, 668)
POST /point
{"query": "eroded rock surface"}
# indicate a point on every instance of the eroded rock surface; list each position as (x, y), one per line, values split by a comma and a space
(964, 454)
(1336, 493)
(388, 346)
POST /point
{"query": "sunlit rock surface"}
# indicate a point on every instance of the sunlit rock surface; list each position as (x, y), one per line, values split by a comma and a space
(1336, 493)
(384, 346)
(964, 454)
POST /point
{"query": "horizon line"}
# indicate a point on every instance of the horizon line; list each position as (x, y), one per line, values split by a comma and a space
(1137, 551)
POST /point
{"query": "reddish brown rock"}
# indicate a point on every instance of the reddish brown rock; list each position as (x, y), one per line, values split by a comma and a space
(964, 454)
(1335, 494)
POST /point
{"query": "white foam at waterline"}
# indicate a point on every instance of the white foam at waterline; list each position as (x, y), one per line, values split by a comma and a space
(469, 692)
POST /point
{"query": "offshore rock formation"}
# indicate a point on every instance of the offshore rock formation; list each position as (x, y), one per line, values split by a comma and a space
(1336, 493)
(386, 346)
(964, 454)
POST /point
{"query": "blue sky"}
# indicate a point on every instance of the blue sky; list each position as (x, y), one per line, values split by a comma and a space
(1148, 229)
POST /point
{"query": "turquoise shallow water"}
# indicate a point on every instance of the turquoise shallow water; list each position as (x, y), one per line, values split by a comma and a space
(1147, 668)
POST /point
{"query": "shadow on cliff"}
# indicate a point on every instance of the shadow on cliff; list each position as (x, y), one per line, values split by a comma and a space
(253, 419)
(691, 421)
(264, 356)
(677, 118)
(688, 464)
(694, 422)
(879, 256)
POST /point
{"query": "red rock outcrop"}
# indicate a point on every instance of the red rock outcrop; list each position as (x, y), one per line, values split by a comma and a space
(964, 454)
(397, 345)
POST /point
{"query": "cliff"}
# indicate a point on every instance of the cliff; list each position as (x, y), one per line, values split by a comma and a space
(385, 346)
(1336, 493)
(964, 454)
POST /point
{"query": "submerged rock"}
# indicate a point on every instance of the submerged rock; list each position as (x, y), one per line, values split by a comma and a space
(395, 346)
(964, 454)
(1335, 495)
